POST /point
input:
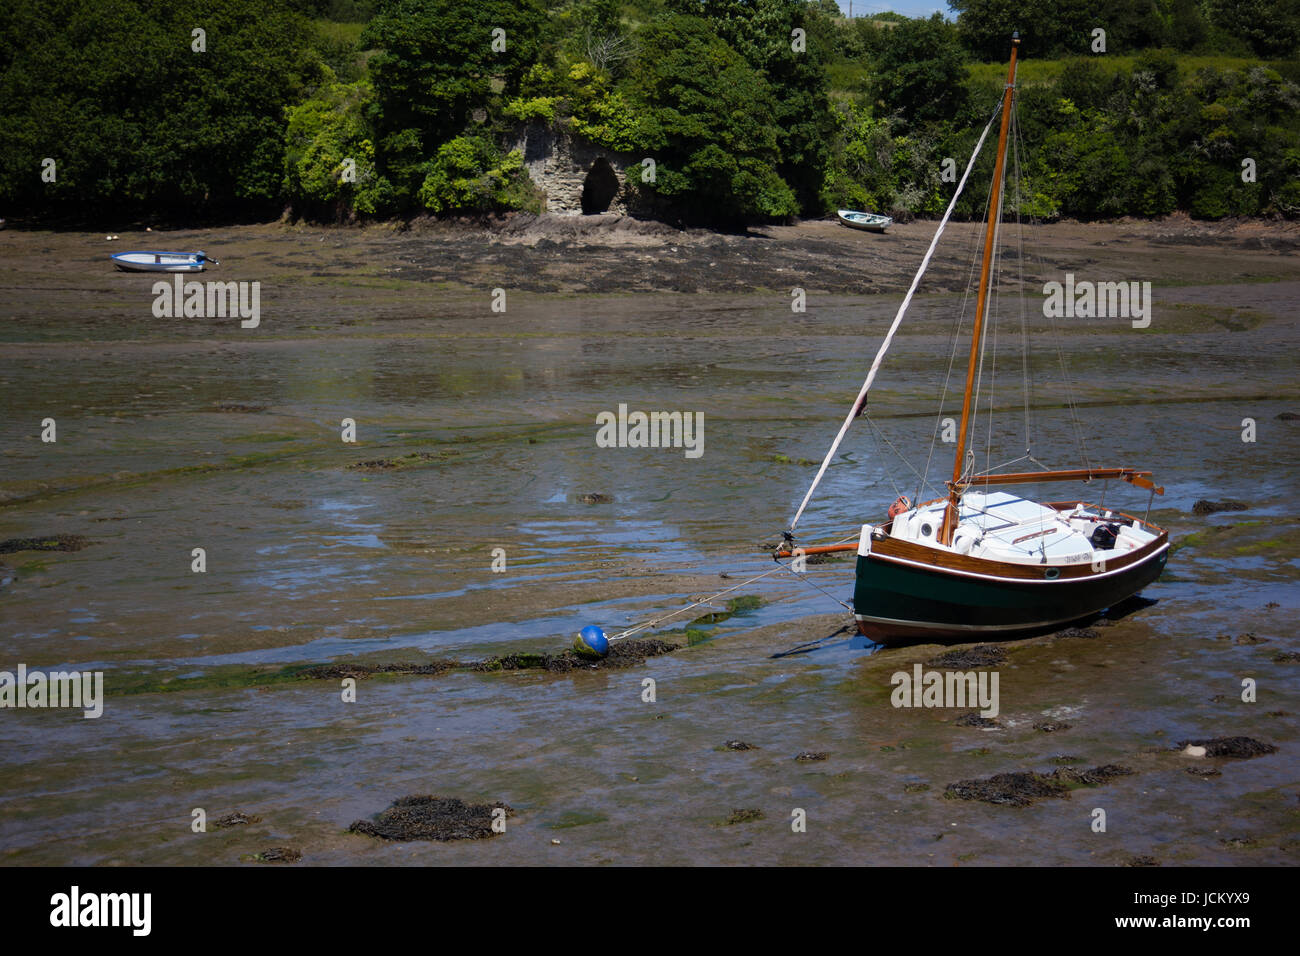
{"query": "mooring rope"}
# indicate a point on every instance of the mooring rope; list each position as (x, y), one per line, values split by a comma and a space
(713, 597)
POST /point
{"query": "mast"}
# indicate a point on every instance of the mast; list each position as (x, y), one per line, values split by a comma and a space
(949, 525)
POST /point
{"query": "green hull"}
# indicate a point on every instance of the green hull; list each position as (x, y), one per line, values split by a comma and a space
(898, 600)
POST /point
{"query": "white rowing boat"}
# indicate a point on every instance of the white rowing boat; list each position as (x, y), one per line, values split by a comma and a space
(870, 221)
(162, 261)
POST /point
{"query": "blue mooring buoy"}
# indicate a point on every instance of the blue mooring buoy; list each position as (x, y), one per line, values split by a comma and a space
(591, 642)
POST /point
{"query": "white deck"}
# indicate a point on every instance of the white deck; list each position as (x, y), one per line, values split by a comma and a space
(1001, 526)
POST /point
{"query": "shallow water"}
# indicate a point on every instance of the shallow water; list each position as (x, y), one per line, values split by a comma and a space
(309, 560)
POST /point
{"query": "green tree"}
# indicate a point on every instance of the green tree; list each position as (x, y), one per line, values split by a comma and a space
(919, 73)
(709, 124)
(793, 64)
(1270, 27)
(329, 155)
(438, 61)
(470, 174)
(135, 118)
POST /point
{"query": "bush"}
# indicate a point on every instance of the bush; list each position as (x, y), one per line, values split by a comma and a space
(324, 133)
(470, 174)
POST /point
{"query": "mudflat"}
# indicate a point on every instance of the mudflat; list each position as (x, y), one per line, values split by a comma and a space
(475, 518)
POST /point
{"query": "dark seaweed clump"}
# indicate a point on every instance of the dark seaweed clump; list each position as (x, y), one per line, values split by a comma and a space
(1021, 789)
(50, 542)
(1090, 778)
(808, 756)
(1142, 861)
(973, 719)
(743, 816)
(236, 819)
(1087, 633)
(426, 817)
(1204, 771)
(982, 655)
(279, 854)
(1052, 726)
(362, 671)
(1006, 789)
(1242, 747)
(738, 745)
(384, 464)
(1207, 507)
(622, 654)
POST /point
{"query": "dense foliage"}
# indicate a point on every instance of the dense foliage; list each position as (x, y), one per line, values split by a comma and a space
(749, 109)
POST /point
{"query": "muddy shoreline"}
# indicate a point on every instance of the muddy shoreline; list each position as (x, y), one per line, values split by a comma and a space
(377, 560)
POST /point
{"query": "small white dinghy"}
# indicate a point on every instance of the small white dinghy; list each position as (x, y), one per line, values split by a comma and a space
(162, 261)
(870, 221)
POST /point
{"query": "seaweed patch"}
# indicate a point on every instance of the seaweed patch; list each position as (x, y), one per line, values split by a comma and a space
(1240, 747)
(1021, 789)
(982, 655)
(973, 719)
(426, 817)
(49, 542)
(276, 854)
(1207, 507)
(236, 819)
(362, 671)
(622, 654)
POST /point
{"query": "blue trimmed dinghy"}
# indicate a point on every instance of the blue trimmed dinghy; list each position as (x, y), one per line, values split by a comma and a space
(870, 221)
(162, 261)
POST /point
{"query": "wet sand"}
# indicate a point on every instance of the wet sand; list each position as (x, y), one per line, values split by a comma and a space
(183, 433)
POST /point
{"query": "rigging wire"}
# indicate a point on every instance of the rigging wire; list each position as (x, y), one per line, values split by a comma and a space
(893, 329)
(955, 339)
(1026, 340)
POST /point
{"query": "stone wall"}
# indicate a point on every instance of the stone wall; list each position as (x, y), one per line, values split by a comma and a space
(577, 176)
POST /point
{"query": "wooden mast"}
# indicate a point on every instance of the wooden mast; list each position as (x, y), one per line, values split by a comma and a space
(949, 526)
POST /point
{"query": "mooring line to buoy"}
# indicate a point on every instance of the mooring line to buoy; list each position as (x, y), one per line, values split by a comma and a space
(713, 597)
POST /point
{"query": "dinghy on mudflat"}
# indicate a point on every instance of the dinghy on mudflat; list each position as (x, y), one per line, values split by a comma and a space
(162, 261)
(870, 221)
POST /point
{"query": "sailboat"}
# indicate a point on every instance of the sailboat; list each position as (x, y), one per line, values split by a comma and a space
(980, 561)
